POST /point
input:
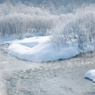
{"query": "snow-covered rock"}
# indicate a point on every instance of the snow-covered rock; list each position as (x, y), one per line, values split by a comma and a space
(90, 75)
(39, 49)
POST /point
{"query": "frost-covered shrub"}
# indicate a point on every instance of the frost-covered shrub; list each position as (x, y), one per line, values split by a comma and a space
(84, 28)
(80, 26)
(21, 23)
(20, 18)
(59, 41)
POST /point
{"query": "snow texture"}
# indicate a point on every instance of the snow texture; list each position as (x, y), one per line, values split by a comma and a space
(2, 83)
(39, 49)
(90, 75)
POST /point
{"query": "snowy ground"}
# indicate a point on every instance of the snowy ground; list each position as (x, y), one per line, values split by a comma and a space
(63, 77)
(52, 78)
(2, 81)
(56, 78)
(2, 84)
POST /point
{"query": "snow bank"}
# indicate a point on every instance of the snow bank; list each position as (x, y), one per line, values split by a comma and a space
(90, 75)
(39, 49)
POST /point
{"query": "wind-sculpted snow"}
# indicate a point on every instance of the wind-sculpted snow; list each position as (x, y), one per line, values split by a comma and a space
(40, 49)
(90, 75)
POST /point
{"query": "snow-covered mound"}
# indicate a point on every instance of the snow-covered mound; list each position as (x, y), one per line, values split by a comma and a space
(40, 49)
(90, 75)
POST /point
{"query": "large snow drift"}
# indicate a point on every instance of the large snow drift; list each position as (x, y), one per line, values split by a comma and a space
(90, 75)
(40, 49)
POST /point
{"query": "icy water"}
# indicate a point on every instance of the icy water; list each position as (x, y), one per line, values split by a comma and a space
(65, 77)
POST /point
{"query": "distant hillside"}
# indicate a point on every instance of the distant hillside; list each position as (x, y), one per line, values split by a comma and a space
(63, 6)
(55, 2)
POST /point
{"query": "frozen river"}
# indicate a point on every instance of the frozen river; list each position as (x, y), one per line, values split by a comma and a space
(66, 77)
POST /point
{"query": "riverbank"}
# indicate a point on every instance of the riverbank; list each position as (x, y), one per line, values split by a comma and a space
(65, 77)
